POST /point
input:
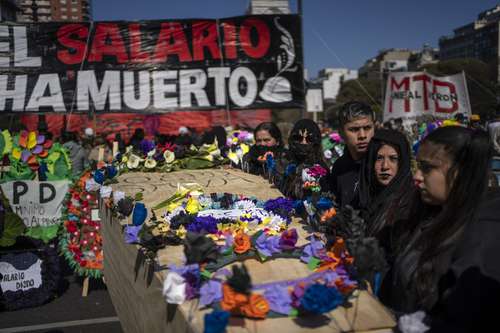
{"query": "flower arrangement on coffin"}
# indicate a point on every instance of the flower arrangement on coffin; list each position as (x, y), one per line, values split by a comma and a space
(232, 293)
(311, 177)
(80, 237)
(333, 147)
(221, 216)
(167, 158)
(239, 143)
(31, 152)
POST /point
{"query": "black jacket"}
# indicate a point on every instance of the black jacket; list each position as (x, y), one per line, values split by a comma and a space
(469, 292)
(343, 180)
(466, 292)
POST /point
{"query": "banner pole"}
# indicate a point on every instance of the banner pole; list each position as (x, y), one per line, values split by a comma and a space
(228, 108)
(467, 92)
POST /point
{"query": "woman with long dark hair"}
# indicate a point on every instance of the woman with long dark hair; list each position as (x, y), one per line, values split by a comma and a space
(446, 254)
(267, 140)
(385, 180)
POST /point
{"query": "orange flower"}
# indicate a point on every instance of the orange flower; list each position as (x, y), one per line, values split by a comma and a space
(253, 306)
(232, 301)
(257, 307)
(329, 214)
(241, 243)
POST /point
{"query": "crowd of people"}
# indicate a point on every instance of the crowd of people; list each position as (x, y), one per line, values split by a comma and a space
(434, 213)
(425, 194)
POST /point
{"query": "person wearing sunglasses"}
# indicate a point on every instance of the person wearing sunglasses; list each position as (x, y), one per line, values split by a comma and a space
(304, 151)
(356, 126)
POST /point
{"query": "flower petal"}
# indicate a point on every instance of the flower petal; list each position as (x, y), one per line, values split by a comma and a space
(40, 139)
(25, 155)
(31, 140)
(37, 150)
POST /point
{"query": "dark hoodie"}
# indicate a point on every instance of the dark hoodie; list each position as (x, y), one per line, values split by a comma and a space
(298, 157)
(379, 203)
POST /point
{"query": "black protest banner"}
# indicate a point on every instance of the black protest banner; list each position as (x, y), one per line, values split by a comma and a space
(242, 62)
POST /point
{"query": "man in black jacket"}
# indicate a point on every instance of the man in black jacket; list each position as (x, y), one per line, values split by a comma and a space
(357, 126)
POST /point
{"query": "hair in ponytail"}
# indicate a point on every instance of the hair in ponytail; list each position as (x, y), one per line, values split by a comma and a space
(470, 154)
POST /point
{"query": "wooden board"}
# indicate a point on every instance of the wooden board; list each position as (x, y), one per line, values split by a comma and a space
(142, 308)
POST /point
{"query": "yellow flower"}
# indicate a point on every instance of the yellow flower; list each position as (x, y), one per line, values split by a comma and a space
(181, 232)
(193, 206)
(173, 206)
(272, 232)
(266, 221)
(124, 159)
(163, 227)
(16, 153)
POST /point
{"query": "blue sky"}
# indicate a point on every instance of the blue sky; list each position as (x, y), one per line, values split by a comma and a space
(337, 33)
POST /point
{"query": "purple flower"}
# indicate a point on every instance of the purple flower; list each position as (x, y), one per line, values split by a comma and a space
(279, 299)
(281, 206)
(203, 224)
(288, 239)
(132, 233)
(267, 246)
(315, 248)
(297, 293)
(191, 276)
(146, 146)
(210, 292)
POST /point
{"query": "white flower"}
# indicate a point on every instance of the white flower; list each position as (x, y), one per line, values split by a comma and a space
(118, 195)
(150, 163)
(328, 154)
(151, 153)
(413, 323)
(306, 177)
(174, 288)
(244, 205)
(276, 223)
(133, 161)
(168, 156)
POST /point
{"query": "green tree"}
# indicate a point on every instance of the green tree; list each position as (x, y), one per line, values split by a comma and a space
(363, 90)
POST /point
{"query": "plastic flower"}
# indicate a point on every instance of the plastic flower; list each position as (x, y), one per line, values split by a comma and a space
(319, 299)
(147, 146)
(133, 161)
(174, 288)
(193, 206)
(31, 146)
(216, 321)
(169, 156)
(210, 292)
(241, 243)
(288, 239)
(150, 163)
(267, 246)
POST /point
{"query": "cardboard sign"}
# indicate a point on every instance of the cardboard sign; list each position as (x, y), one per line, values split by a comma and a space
(410, 95)
(37, 203)
(20, 272)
